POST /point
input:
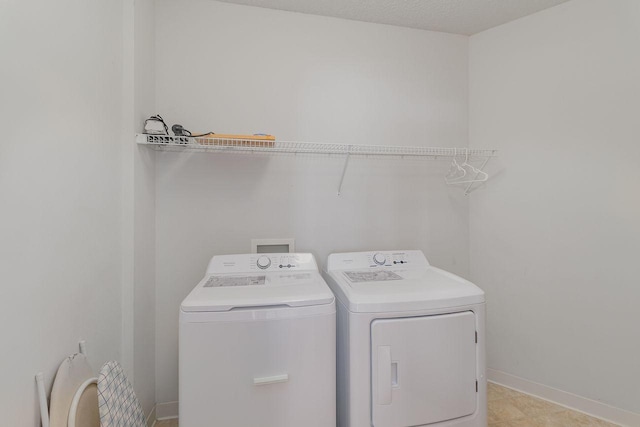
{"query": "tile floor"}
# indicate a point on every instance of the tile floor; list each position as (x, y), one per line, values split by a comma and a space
(509, 408)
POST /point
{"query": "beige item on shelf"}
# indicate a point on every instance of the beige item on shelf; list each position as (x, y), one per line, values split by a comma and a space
(73, 372)
(233, 140)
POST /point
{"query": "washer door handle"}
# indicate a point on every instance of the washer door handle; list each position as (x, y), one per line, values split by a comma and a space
(275, 379)
(384, 375)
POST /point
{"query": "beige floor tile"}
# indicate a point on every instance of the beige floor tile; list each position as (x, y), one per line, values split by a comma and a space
(167, 423)
(509, 408)
(496, 392)
(571, 418)
(532, 407)
(504, 410)
(528, 422)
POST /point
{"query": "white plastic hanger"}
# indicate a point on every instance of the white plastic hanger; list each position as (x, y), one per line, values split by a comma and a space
(479, 176)
(456, 172)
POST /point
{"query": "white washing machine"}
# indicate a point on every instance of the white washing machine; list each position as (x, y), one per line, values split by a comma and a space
(411, 340)
(258, 344)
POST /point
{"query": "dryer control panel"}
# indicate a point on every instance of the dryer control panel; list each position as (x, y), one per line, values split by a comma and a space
(377, 259)
(246, 263)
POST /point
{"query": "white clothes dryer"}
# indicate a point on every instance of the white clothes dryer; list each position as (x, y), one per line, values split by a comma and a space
(257, 344)
(411, 342)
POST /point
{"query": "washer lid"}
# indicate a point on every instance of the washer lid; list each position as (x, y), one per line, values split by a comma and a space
(224, 292)
(365, 287)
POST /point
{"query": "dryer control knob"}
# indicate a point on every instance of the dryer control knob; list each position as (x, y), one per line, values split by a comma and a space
(263, 262)
(379, 259)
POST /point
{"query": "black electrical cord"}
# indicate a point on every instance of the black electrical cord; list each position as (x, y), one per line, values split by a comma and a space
(179, 130)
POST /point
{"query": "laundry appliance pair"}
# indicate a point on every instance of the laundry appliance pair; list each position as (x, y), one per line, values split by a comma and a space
(263, 342)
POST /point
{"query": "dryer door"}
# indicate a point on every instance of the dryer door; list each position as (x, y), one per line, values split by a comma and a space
(423, 369)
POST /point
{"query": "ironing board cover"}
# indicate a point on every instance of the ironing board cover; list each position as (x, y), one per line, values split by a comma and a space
(119, 406)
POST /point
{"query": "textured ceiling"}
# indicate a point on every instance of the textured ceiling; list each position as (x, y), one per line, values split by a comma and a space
(450, 16)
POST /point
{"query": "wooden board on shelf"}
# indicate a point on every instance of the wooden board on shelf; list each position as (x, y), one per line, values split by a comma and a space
(233, 140)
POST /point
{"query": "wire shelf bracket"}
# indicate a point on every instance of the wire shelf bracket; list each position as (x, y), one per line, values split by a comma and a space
(211, 144)
(344, 171)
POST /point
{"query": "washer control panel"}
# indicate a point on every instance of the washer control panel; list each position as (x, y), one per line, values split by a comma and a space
(279, 262)
(263, 262)
(246, 263)
(377, 259)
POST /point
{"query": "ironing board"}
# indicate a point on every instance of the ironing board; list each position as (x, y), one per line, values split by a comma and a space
(119, 406)
(73, 372)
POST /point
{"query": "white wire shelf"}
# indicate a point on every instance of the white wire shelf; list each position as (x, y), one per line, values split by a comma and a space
(212, 144)
(174, 143)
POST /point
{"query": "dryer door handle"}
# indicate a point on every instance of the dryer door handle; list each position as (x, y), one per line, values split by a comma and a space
(384, 375)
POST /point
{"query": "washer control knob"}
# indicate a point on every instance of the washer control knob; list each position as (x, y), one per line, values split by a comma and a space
(263, 262)
(379, 259)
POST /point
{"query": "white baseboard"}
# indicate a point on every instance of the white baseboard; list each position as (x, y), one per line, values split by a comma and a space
(151, 418)
(167, 410)
(568, 400)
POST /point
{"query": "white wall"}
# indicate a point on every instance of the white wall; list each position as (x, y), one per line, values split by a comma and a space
(60, 191)
(555, 236)
(144, 202)
(139, 202)
(231, 68)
